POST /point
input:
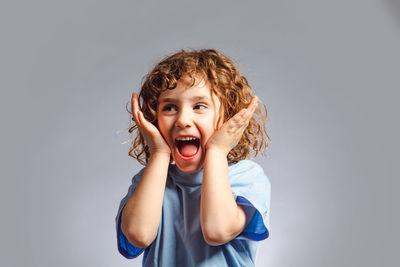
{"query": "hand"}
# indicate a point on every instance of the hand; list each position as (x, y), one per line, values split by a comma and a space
(151, 134)
(228, 136)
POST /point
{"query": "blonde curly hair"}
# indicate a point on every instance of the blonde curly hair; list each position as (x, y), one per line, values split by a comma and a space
(225, 81)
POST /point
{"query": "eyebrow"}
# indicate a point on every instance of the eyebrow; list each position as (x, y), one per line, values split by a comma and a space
(193, 99)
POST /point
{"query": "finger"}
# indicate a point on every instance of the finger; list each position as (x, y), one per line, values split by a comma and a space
(251, 108)
(148, 126)
(236, 121)
(248, 112)
(242, 118)
(135, 108)
(132, 103)
(135, 103)
(253, 104)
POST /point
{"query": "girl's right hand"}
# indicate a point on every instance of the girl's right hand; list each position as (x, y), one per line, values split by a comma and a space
(151, 134)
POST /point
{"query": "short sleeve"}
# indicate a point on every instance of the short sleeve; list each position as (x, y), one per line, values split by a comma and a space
(252, 190)
(127, 249)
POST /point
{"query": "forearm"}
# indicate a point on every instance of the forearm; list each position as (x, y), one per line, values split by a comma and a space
(220, 217)
(141, 215)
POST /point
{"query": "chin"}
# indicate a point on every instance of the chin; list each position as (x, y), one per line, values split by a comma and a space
(189, 167)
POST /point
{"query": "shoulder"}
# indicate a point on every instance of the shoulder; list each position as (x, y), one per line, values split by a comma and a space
(136, 178)
(249, 171)
(246, 166)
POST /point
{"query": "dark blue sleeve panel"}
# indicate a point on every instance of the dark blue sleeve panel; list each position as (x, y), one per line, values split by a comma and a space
(256, 229)
(126, 249)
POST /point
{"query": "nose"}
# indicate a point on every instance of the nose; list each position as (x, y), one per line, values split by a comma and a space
(183, 120)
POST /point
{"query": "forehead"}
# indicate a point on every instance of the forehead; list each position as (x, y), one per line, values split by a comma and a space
(183, 91)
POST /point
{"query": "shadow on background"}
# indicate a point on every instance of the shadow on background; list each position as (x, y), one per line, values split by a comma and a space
(394, 9)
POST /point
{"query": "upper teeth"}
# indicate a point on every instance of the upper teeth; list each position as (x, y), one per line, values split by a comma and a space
(188, 138)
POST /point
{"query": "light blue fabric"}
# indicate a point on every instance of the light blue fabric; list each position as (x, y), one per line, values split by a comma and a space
(179, 240)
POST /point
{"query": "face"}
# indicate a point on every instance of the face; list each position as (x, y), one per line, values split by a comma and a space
(187, 118)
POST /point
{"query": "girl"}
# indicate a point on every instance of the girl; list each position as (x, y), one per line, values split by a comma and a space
(198, 201)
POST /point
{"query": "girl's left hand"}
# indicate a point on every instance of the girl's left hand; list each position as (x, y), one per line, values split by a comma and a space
(228, 136)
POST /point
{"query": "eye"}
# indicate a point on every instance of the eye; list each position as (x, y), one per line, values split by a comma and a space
(169, 108)
(200, 106)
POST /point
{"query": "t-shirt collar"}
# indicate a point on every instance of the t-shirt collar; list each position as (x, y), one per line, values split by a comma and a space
(183, 178)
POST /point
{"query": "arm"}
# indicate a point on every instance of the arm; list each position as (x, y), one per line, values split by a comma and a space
(141, 215)
(221, 218)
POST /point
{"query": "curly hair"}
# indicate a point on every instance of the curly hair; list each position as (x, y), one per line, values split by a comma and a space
(232, 89)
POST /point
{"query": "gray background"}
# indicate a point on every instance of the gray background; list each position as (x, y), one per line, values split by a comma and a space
(328, 72)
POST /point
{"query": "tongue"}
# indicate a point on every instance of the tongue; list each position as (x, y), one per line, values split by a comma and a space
(188, 149)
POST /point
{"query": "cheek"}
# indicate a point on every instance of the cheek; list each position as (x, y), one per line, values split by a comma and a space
(161, 126)
(207, 129)
(217, 122)
(165, 129)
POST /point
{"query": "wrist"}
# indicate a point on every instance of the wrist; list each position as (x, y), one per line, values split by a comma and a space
(216, 152)
(160, 155)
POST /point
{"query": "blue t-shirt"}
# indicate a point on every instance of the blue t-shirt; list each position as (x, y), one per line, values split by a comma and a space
(179, 240)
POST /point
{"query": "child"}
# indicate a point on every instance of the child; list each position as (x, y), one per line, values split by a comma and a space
(197, 201)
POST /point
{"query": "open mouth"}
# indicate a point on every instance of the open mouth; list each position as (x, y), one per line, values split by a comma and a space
(187, 146)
